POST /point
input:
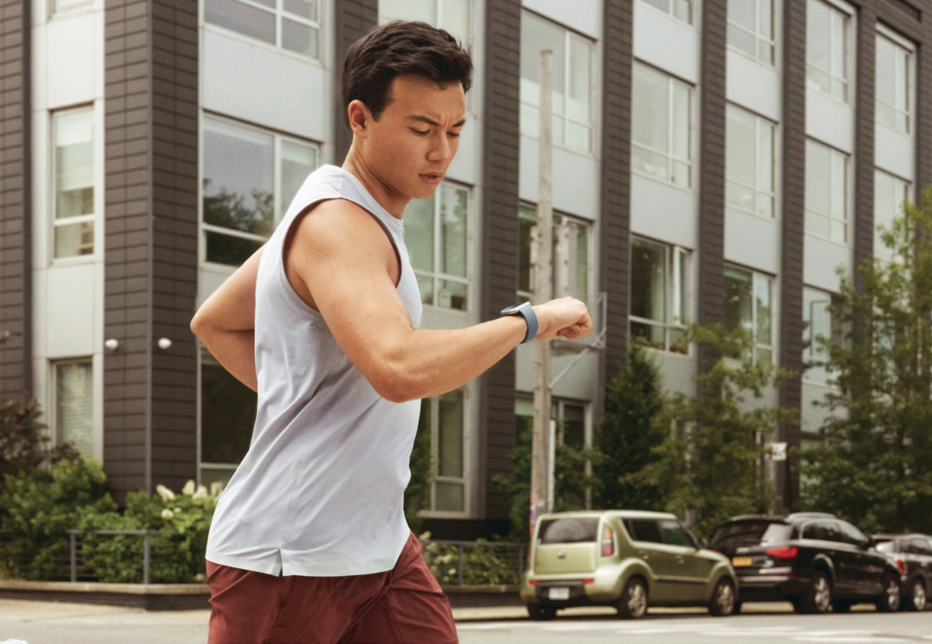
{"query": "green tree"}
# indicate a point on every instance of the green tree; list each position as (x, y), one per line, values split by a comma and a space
(714, 466)
(417, 494)
(874, 461)
(633, 429)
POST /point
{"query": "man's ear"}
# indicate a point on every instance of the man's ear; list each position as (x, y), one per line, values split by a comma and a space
(359, 118)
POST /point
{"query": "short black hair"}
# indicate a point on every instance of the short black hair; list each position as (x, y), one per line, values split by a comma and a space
(399, 48)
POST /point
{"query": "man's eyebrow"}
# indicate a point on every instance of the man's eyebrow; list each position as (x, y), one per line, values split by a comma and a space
(430, 121)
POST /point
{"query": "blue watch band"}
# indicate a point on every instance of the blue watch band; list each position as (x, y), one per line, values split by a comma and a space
(527, 312)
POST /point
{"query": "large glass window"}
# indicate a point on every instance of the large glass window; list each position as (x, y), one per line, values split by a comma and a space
(74, 404)
(889, 194)
(679, 9)
(293, 25)
(828, 47)
(452, 16)
(659, 286)
(817, 322)
(661, 126)
(572, 81)
(748, 306)
(443, 417)
(751, 28)
(894, 84)
(827, 201)
(76, 202)
(250, 178)
(436, 235)
(228, 414)
(571, 244)
(750, 162)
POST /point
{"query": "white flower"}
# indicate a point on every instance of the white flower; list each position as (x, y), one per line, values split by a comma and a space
(164, 492)
(201, 492)
(216, 488)
(189, 487)
(167, 514)
(177, 510)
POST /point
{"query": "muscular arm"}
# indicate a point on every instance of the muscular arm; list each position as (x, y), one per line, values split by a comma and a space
(341, 255)
(225, 323)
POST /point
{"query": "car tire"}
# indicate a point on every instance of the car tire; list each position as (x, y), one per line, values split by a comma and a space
(839, 606)
(890, 601)
(818, 599)
(723, 600)
(916, 599)
(540, 613)
(633, 602)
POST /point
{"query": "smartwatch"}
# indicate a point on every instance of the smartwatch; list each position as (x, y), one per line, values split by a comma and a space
(525, 310)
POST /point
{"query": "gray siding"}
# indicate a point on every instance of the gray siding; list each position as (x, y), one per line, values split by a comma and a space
(15, 199)
(352, 20)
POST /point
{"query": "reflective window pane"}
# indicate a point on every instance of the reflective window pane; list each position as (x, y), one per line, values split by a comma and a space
(525, 231)
(648, 293)
(304, 8)
(228, 249)
(449, 497)
(74, 164)
(738, 299)
(453, 209)
(74, 405)
(298, 161)
(299, 38)
(450, 435)
(419, 233)
(651, 104)
(74, 240)
(420, 10)
(228, 413)
(763, 309)
(455, 19)
(241, 18)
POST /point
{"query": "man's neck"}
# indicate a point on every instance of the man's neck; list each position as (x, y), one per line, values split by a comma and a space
(391, 200)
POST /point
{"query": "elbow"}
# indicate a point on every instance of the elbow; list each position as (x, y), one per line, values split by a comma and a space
(198, 325)
(396, 385)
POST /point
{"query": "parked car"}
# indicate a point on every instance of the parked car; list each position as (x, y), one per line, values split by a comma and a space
(814, 560)
(626, 559)
(912, 554)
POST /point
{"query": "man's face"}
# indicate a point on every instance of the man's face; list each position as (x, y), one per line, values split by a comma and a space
(413, 142)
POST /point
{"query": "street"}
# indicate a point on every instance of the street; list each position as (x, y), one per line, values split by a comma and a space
(64, 623)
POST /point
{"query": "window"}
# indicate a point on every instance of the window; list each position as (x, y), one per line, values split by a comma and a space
(661, 126)
(643, 530)
(571, 241)
(76, 201)
(894, 84)
(675, 534)
(572, 81)
(750, 162)
(679, 9)
(748, 307)
(659, 283)
(889, 194)
(751, 28)
(228, 414)
(827, 201)
(250, 178)
(849, 534)
(827, 50)
(436, 236)
(73, 384)
(60, 6)
(817, 319)
(568, 530)
(442, 417)
(452, 16)
(293, 25)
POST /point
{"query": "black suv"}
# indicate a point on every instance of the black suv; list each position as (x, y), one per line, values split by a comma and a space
(814, 560)
(912, 554)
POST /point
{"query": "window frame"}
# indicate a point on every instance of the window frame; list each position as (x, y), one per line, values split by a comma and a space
(278, 210)
(676, 294)
(568, 35)
(760, 122)
(525, 207)
(54, 433)
(757, 36)
(909, 193)
(95, 217)
(848, 64)
(847, 174)
(280, 14)
(773, 302)
(694, 10)
(671, 112)
(431, 511)
(909, 47)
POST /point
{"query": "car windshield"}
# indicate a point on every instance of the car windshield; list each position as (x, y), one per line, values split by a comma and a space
(568, 530)
(744, 533)
(886, 546)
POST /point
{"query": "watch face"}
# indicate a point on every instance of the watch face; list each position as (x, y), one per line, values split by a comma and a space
(514, 308)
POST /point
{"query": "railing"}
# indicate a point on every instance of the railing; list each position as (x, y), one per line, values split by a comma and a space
(146, 547)
(476, 562)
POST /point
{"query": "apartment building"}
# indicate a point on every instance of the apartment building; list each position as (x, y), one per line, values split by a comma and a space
(716, 160)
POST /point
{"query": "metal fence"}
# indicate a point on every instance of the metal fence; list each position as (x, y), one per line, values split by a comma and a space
(476, 562)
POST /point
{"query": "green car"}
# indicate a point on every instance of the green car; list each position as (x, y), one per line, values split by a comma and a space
(626, 559)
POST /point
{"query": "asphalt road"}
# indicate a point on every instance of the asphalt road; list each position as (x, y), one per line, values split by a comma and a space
(63, 623)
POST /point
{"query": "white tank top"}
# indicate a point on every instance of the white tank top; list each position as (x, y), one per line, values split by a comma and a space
(320, 491)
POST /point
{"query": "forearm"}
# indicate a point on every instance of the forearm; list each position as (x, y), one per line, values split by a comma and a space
(235, 351)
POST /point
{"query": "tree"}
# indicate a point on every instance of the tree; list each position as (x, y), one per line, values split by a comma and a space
(714, 466)
(631, 432)
(874, 461)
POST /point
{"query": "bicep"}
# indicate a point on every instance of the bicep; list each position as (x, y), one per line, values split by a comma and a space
(232, 307)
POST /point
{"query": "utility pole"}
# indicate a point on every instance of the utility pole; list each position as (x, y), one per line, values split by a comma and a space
(543, 287)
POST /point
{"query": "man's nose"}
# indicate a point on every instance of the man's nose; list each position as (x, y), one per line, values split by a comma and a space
(442, 150)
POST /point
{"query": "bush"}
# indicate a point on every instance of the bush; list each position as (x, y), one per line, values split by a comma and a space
(24, 441)
(482, 564)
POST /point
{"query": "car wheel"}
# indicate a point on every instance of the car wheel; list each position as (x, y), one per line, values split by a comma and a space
(917, 596)
(819, 597)
(841, 606)
(541, 613)
(890, 601)
(633, 602)
(722, 603)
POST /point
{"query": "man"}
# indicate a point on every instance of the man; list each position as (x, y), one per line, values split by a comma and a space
(309, 541)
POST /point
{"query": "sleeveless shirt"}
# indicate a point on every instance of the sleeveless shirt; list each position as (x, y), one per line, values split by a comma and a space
(320, 491)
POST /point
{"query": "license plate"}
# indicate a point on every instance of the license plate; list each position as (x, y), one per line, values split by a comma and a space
(560, 593)
(739, 562)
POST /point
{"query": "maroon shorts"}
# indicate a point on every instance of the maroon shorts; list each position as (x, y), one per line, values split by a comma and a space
(404, 604)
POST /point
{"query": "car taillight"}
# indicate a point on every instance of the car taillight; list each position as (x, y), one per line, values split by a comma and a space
(901, 565)
(783, 552)
(533, 582)
(608, 543)
(588, 581)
